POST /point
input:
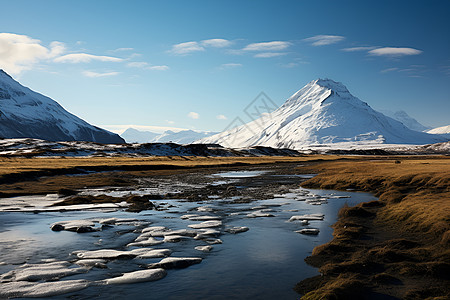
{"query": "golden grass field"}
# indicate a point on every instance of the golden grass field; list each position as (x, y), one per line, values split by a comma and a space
(399, 246)
(22, 176)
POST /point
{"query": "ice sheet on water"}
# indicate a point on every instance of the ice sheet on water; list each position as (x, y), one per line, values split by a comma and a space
(45, 271)
(41, 289)
(318, 217)
(138, 276)
(206, 224)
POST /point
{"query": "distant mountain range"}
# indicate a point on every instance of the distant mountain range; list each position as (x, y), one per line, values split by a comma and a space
(28, 114)
(323, 112)
(132, 135)
(406, 119)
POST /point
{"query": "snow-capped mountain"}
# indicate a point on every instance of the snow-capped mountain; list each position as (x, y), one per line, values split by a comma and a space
(182, 137)
(322, 112)
(28, 114)
(132, 135)
(406, 119)
(442, 131)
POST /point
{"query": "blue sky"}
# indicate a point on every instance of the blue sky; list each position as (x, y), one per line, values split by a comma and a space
(197, 64)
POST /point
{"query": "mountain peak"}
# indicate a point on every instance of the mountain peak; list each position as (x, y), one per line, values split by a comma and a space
(331, 84)
(28, 114)
(322, 112)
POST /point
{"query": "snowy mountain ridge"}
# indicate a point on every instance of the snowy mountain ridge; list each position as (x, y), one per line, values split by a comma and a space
(322, 112)
(132, 135)
(28, 114)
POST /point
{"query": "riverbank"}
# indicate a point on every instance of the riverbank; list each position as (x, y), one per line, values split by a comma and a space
(397, 246)
(44, 175)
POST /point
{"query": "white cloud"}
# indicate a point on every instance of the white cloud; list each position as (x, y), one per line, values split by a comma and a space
(267, 46)
(388, 70)
(290, 65)
(269, 54)
(85, 58)
(216, 43)
(193, 115)
(230, 66)
(354, 49)
(158, 68)
(123, 49)
(221, 117)
(57, 49)
(170, 122)
(137, 64)
(322, 40)
(394, 51)
(186, 48)
(97, 75)
(20, 52)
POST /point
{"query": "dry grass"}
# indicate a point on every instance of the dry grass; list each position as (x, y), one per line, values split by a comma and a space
(21, 165)
(397, 246)
(22, 176)
(416, 191)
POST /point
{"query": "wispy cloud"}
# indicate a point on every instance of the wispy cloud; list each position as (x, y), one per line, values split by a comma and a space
(97, 75)
(388, 70)
(147, 66)
(137, 64)
(355, 49)
(216, 43)
(269, 54)
(20, 52)
(322, 40)
(230, 66)
(193, 115)
(123, 49)
(290, 65)
(394, 51)
(158, 68)
(221, 117)
(186, 48)
(85, 58)
(267, 46)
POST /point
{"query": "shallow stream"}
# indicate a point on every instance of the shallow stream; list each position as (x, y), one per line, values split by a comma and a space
(264, 262)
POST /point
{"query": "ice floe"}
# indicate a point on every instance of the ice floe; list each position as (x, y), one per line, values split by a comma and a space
(176, 262)
(138, 276)
(259, 214)
(309, 231)
(206, 224)
(91, 263)
(236, 229)
(113, 254)
(318, 217)
(36, 272)
(205, 248)
(41, 289)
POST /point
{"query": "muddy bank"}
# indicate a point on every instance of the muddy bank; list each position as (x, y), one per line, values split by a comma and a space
(396, 247)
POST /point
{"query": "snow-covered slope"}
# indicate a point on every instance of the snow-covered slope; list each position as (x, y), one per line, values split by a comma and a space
(440, 130)
(27, 114)
(132, 135)
(323, 112)
(406, 119)
(181, 137)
